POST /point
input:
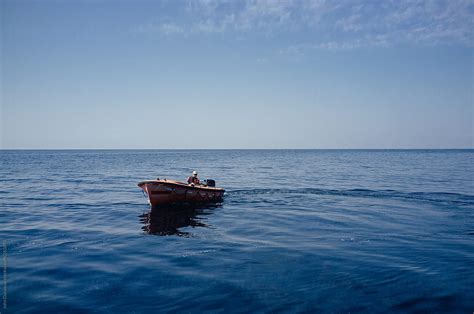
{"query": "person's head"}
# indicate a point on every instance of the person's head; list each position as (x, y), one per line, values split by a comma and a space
(195, 174)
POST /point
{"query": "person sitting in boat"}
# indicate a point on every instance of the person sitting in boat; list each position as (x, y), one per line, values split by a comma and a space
(194, 178)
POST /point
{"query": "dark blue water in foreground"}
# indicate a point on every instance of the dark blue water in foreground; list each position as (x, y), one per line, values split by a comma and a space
(298, 231)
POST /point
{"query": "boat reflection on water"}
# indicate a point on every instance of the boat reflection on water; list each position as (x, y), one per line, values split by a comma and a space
(169, 220)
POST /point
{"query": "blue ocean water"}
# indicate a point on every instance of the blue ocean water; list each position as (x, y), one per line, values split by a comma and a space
(327, 231)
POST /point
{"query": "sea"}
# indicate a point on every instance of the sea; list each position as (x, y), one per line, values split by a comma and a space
(298, 231)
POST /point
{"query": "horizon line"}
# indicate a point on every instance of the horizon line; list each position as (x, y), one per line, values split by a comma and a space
(391, 148)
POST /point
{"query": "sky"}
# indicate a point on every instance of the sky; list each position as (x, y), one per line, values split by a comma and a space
(236, 74)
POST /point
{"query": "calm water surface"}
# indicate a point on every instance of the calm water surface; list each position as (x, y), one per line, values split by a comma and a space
(298, 231)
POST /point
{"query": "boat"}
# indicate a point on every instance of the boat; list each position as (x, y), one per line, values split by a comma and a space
(165, 191)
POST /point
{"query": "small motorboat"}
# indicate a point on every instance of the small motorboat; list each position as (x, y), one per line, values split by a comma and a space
(164, 191)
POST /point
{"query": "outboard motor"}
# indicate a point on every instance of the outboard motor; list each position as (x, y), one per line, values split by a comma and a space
(210, 182)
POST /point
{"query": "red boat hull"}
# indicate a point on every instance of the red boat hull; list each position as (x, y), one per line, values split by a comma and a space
(162, 192)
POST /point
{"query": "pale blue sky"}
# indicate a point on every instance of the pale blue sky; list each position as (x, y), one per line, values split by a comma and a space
(237, 74)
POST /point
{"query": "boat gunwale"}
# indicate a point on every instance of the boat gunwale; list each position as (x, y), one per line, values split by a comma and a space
(180, 184)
